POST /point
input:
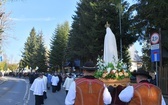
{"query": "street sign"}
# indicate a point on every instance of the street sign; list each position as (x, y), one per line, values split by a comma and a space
(155, 55)
(154, 38)
(155, 46)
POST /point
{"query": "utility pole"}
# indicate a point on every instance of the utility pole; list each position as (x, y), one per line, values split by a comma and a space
(119, 7)
(120, 31)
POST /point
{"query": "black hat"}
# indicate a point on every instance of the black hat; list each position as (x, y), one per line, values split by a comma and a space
(89, 66)
(141, 72)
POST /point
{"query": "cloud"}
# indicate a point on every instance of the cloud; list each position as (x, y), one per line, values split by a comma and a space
(34, 19)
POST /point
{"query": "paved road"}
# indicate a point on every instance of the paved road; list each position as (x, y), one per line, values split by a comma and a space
(2, 79)
(53, 98)
(13, 91)
(57, 98)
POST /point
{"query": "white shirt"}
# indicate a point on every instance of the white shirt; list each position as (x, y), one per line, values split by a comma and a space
(68, 82)
(127, 94)
(54, 80)
(38, 86)
(70, 98)
(45, 82)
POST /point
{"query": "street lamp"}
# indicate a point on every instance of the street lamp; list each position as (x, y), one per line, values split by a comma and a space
(119, 10)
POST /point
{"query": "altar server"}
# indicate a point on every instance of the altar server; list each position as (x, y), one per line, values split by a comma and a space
(54, 81)
(68, 82)
(38, 88)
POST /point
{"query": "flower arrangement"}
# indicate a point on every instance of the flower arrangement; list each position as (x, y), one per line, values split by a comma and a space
(111, 71)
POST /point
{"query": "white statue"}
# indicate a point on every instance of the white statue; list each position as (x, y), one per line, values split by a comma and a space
(110, 47)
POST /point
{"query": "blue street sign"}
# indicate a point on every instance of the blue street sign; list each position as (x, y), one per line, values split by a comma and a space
(155, 55)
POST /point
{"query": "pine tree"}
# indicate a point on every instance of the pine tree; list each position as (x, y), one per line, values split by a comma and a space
(34, 54)
(22, 65)
(29, 54)
(144, 23)
(41, 59)
(127, 58)
(59, 46)
(146, 57)
(87, 35)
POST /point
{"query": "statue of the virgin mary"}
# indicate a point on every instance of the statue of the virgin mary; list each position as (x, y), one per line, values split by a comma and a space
(110, 47)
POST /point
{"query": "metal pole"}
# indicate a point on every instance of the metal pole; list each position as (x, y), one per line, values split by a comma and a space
(156, 74)
(120, 30)
(119, 11)
(160, 63)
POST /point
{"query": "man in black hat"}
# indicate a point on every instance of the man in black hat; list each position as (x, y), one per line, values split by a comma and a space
(142, 93)
(88, 90)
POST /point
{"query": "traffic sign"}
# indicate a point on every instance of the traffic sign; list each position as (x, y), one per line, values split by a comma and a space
(155, 55)
(155, 46)
(154, 38)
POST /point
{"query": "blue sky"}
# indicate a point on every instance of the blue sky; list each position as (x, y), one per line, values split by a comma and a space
(43, 15)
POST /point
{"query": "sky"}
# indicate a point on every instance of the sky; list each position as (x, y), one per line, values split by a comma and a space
(43, 15)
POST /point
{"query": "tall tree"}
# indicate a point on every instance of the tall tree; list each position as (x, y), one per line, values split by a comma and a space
(13, 67)
(87, 35)
(154, 18)
(2, 65)
(41, 59)
(145, 57)
(5, 25)
(29, 54)
(22, 65)
(127, 58)
(34, 54)
(59, 45)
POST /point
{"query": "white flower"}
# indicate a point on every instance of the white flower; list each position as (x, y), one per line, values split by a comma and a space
(114, 71)
(120, 73)
(126, 74)
(108, 70)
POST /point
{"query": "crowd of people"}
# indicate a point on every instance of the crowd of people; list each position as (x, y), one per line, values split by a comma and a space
(89, 90)
(41, 82)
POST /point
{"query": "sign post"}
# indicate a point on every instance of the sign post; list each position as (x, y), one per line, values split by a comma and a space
(155, 59)
(155, 51)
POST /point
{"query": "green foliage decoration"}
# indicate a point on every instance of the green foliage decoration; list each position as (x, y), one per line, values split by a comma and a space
(111, 71)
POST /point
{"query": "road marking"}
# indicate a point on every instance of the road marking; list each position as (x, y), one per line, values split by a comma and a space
(27, 93)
